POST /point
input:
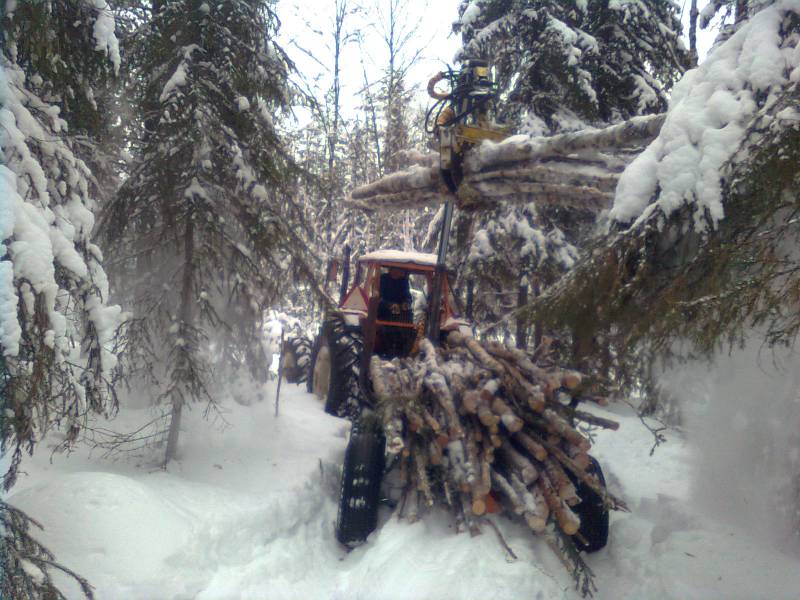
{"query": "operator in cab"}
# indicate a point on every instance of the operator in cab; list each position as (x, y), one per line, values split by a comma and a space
(395, 294)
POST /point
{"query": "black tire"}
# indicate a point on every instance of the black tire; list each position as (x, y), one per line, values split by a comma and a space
(594, 516)
(296, 358)
(312, 361)
(361, 482)
(345, 345)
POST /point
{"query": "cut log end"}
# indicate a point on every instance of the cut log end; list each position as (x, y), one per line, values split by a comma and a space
(536, 523)
(568, 521)
(479, 506)
(571, 380)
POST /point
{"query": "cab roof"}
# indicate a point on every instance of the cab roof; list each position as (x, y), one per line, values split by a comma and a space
(399, 256)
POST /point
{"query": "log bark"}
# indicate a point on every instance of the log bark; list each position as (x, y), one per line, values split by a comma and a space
(469, 518)
(483, 358)
(437, 384)
(519, 463)
(525, 393)
(565, 430)
(609, 500)
(566, 519)
(423, 484)
(508, 417)
(548, 382)
(564, 488)
(435, 453)
(533, 447)
(636, 131)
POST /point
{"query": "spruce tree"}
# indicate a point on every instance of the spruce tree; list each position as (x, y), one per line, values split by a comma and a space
(565, 65)
(560, 66)
(57, 330)
(205, 223)
(710, 253)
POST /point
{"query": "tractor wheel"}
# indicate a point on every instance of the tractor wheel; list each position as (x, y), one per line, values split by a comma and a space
(593, 515)
(319, 367)
(361, 482)
(296, 355)
(335, 368)
(312, 362)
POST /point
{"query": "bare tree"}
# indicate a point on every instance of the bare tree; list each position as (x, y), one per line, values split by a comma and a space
(693, 14)
(398, 30)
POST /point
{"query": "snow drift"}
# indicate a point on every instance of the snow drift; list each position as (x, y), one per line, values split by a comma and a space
(247, 512)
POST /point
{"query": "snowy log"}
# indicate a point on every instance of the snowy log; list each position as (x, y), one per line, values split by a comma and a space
(521, 465)
(637, 131)
(504, 486)
(578, 170)
(566, 519)
(416, 187)
(535, 513)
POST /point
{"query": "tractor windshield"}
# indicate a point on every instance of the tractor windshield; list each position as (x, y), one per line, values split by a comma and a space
(401, 308)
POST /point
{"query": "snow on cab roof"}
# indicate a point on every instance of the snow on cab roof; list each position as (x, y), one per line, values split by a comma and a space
(419, 258)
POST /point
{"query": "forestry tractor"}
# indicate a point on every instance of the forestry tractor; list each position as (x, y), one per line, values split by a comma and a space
(379, 316)
(399, 301)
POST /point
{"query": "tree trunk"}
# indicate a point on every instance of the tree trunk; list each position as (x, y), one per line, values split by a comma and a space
(583, 344)
(174, 430)
(186, 316)
(741, 11)
(470, 299)
(693, 13)
(372, 119)
(522, 330)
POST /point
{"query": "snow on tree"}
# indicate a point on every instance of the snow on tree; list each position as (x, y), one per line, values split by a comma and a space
(703, 230)
(57, 329)
(74, 68)
(561, 67)
(27, 567)
(205, 226)
(740, 10)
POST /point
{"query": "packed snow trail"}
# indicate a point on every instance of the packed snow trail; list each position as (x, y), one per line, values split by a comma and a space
(247, 513)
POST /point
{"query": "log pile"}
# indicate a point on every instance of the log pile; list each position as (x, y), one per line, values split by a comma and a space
(481, 429)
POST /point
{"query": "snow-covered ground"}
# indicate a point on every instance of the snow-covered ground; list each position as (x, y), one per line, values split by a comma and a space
(247, 512)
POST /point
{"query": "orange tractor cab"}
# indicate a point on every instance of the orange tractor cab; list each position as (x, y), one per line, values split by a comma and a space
(384, 287)
(385, 312)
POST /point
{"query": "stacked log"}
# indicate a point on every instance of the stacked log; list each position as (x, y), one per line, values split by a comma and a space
(482, 428)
